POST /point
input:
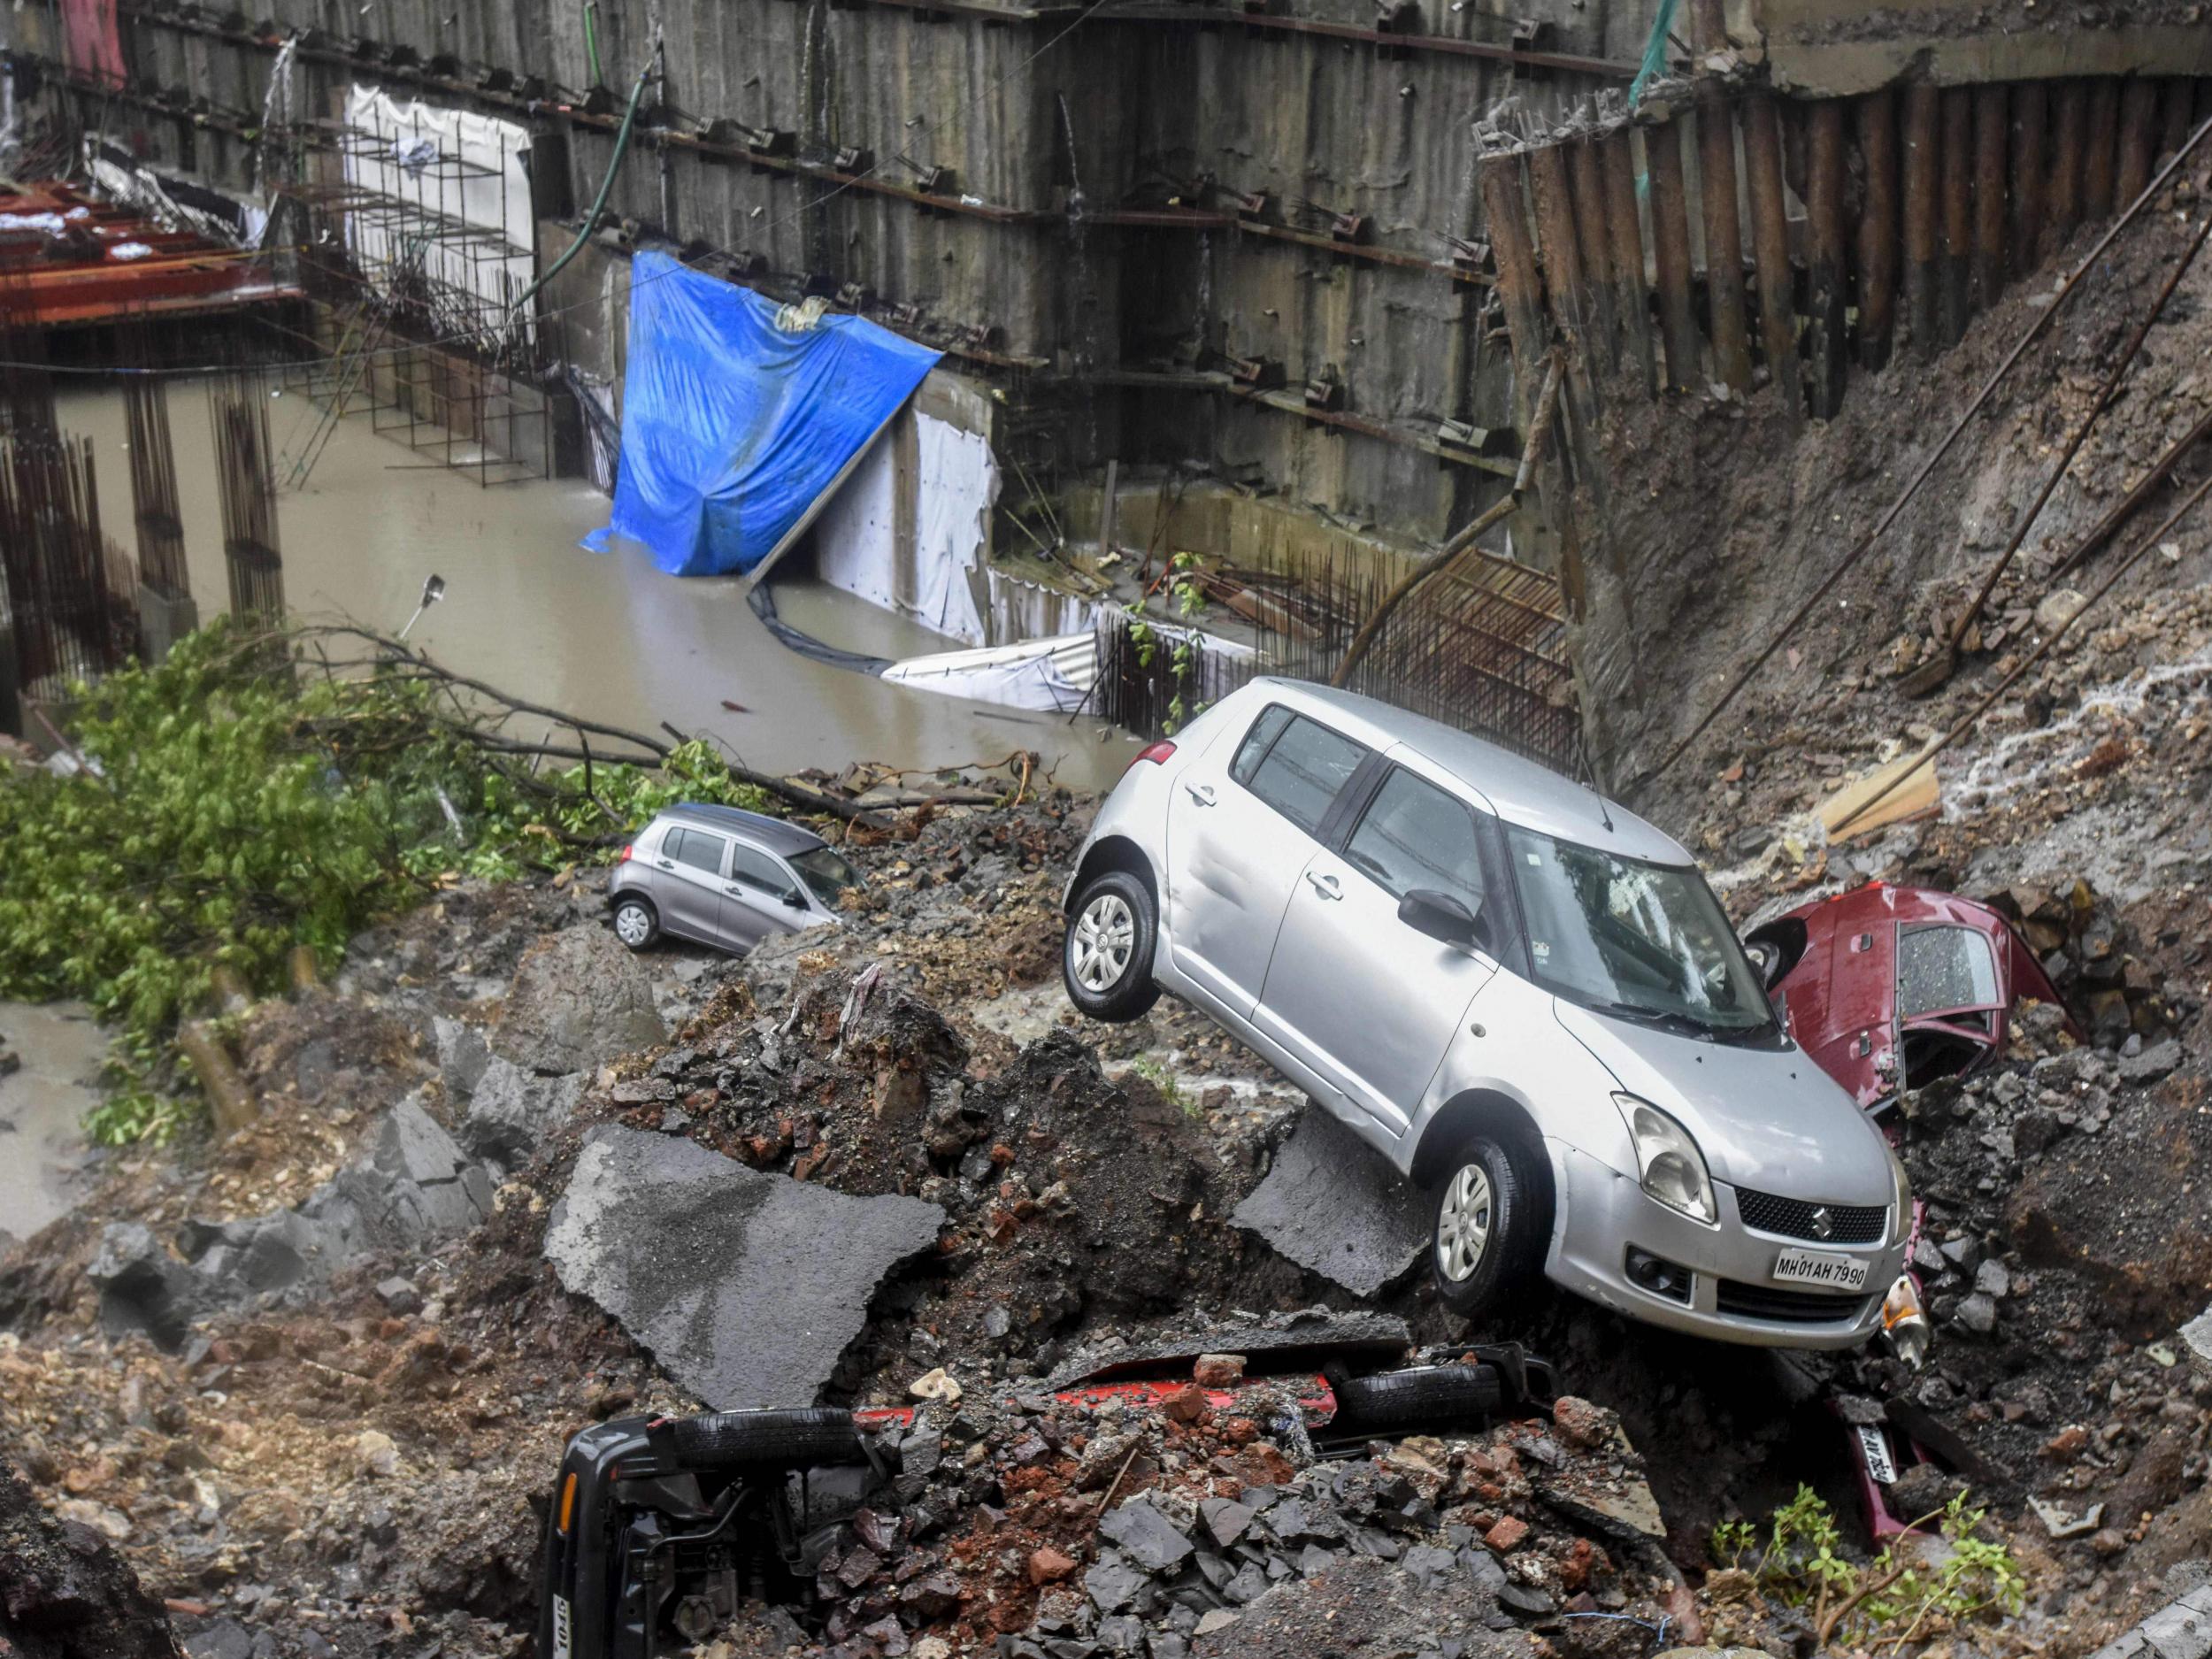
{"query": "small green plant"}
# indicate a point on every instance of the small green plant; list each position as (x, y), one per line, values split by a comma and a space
(1170, 1091)
(1899, 1597)
(1190, 596)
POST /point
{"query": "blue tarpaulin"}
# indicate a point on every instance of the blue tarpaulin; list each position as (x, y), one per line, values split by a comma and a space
(732, 426)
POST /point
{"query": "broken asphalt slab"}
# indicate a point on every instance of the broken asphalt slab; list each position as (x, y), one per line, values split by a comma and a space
(746, 1286)
(1331, 1206)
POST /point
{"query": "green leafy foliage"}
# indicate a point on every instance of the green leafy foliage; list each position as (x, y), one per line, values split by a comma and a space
(239, 804)
(1912, 1589)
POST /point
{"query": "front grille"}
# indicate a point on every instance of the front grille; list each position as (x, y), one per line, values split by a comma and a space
(1793, 1218)
(1792, 1306)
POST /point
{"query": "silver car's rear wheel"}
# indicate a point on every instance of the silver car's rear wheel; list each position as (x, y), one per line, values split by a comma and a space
(1463, 1224)
(634, 924)
(1105, 939)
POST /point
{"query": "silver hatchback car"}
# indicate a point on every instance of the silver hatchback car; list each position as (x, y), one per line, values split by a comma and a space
(1524, 997)
(721, 876)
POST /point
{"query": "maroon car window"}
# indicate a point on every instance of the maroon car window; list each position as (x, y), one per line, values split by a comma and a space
(1940, 968)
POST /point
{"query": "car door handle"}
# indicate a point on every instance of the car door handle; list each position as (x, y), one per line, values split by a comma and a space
(665, 863)
(1201, 792)
(1325, 885)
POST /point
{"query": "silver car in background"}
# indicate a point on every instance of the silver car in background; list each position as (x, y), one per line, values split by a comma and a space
(721, 876)
(1524, 997)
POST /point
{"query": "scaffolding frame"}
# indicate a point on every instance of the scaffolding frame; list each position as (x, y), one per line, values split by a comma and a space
(419, 327)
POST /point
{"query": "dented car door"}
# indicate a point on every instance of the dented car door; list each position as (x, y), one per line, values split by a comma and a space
(1242, 824)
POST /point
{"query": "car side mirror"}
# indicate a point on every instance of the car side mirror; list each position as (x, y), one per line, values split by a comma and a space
(796, 899)
(1443, 917)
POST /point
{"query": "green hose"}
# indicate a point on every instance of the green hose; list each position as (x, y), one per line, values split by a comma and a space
(599, 202)
(591, 38)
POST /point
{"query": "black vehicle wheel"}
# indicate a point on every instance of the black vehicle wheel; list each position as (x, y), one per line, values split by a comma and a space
(737, 1439)
(1488, 1237)
(1106, 958)
(635, 923)
(1430, 1394)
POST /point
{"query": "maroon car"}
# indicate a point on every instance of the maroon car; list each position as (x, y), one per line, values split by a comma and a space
(1890, 987)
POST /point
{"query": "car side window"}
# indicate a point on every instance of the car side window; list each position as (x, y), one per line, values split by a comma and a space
(756, 869)
(696, 847)
(1304, 769)
(1413, 834)
(1258, 741)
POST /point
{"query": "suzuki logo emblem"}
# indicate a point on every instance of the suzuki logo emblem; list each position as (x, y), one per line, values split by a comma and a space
(1824, 1222)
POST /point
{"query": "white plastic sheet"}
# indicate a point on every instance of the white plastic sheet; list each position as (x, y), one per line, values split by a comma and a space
(857, 537)
(1052, 676)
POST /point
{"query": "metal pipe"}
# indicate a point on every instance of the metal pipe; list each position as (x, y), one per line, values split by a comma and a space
(1955, 167)
(2174, 95)
(2029, 173)
(1876, 241)
(2069, 118)
(1558, 248)
(1992, 115)
(1923, 280)
(2138, 136)
(1824, 248)
(1506, 210)
(1625, 247)
(1770, 250)
(1587, 181)
(1723, 238)
(2101, 151)
(1671, 255)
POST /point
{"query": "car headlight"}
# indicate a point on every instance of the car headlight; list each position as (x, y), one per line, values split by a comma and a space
(1668, 1166)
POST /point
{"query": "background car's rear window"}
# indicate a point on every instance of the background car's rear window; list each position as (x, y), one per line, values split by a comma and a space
(694, 847)
(1300, 771)
(1940, 968)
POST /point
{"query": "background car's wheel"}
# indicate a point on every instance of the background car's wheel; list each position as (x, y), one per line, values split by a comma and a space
(635, 925)
(1107, 956)
(1489, 1238)
(1442, 1395)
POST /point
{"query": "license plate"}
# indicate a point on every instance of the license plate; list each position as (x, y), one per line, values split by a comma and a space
(1816, 1267)
(1879, 1463)
(564, 1632)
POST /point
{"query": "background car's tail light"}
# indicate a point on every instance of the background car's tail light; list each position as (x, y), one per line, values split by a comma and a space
(1154, 752)
(626, 855)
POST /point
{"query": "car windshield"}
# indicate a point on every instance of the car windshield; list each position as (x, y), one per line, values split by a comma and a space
(1642, 940)
(1944, 968)
(827, 873)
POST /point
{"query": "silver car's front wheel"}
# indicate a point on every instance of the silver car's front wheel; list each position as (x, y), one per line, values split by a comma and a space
(1490, 1225)
(1463, 1224)
(1106, 956)
(1105, 939)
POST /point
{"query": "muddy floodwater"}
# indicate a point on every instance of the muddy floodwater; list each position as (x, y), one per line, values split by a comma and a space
(602, 635)
(41, 1109)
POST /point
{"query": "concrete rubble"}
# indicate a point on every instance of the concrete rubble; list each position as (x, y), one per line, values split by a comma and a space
(1331, 1204)
(745, 1287)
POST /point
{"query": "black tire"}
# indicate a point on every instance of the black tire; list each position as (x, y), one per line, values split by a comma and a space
(740, 1439)
(1512, 1252)
(1437, 1395)
(644, 906)
(1113, 910)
